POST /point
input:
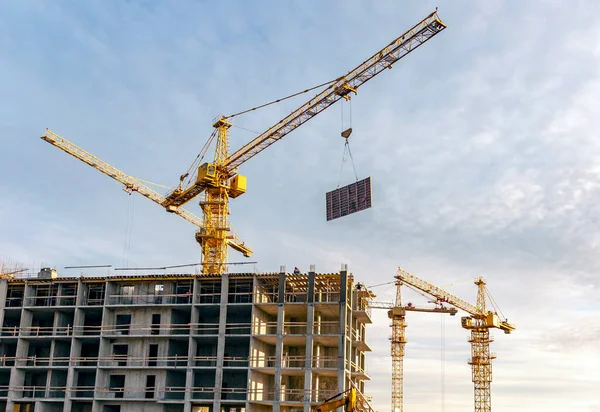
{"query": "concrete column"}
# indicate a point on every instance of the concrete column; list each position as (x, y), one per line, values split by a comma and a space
(104, 348)
(251, 346)
(221, 341)
(310, 318)
(16, 375)
(189, 375)
(3, 292)
(342, 336)
(279, 341)
(75, 351)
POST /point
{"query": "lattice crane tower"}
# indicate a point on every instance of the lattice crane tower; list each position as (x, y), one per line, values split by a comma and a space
(479, 323)
(397, 314)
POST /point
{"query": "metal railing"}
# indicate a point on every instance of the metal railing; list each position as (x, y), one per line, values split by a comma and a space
(150, 299)
(290, 395)
(297, 328)
(271, 295)
(155, 329)
(14, 302)
(93, 301)
(266, 294)
(256, 328)
(261, 327)
(326, 296)
(53, 300)
(261, 361)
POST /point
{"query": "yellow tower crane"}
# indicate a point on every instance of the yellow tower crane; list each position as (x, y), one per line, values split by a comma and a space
(479, 323)
(397, 314)
(219, 180)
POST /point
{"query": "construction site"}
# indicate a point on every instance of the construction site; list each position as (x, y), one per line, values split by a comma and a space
(242, 342)
(214, 340)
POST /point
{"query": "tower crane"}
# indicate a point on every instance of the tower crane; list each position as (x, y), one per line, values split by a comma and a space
(397, 313)
(219, 180)
(479, 323)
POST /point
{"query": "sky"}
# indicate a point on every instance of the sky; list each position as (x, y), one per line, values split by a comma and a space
(482, 146)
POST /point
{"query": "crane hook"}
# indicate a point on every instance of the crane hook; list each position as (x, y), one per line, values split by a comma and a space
(346, 133)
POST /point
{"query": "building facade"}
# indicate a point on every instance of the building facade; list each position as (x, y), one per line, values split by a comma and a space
(181, 343)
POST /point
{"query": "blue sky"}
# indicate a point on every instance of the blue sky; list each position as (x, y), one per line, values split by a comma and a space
(482, 145)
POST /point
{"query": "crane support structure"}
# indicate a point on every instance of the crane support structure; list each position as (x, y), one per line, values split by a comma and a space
(218, 181)
(479, 323)
(397, 314)
(133, 184)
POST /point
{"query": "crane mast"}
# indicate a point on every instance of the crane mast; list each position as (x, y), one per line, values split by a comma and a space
(218, 180)
(479, 324)
(398, 316)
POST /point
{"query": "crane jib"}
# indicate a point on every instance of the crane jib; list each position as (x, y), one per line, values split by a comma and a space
(397, 49)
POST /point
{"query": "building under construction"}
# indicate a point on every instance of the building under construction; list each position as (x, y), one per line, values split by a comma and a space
(181, 343)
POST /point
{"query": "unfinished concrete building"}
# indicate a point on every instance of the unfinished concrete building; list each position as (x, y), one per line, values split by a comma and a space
(181, 343)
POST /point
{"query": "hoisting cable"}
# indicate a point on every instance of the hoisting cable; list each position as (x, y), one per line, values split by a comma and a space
(494, 304)
(280, 100)
(381, 284)
(416, 290)
(346, 135)
(243, 128)
(186, 176)
(152, 183)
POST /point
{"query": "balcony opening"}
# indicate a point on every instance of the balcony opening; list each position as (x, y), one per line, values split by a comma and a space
(86, 381)
(209, 291)
(123, 324)
(155, 324)
(178, 353)
(8, 352)
(14, 296)
(95, 295)
(10, 324)
(45, 295)
(41, 324)
(183, 291)
(68, 294)
(152, 354)
(92, 323)
(240, 291)
(89, 354)
(117, 385)
(120, 352)
(150, 386)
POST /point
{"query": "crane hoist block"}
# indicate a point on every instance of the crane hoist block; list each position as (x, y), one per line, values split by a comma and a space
(237, 186)
(207, 173)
